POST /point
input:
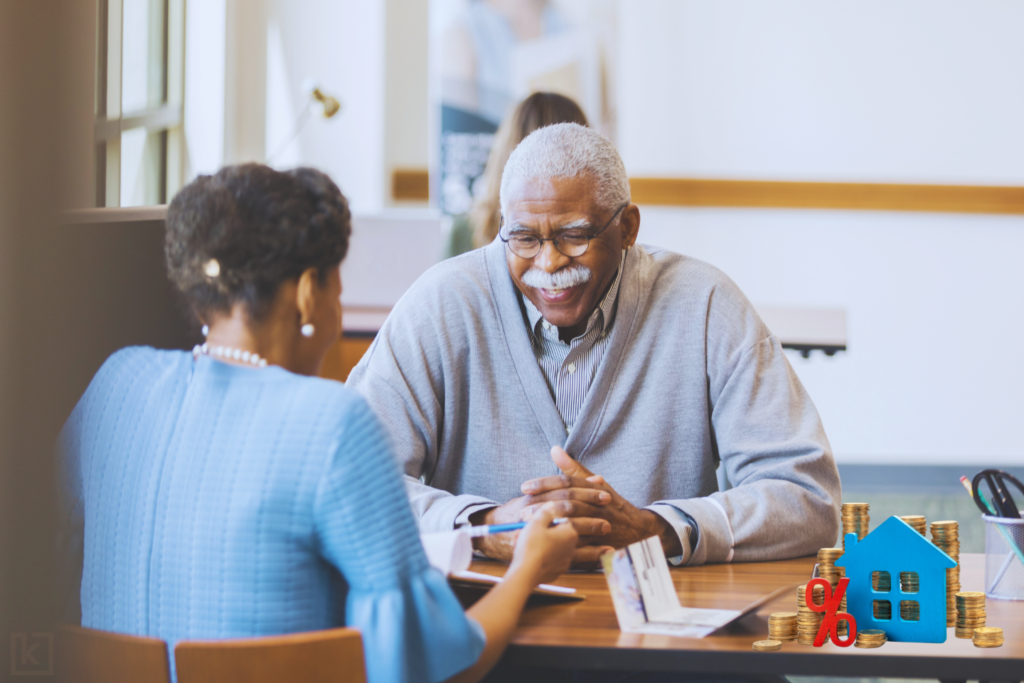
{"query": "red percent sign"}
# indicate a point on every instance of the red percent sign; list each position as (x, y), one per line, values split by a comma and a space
(830, 607)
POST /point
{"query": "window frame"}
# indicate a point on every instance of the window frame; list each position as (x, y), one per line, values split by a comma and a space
(111, 121)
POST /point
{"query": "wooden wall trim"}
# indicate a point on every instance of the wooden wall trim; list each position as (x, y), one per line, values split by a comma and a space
(843, 196)
(410, 185)
(414, 185)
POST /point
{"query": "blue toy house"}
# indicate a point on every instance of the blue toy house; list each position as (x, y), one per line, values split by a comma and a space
(899, 558)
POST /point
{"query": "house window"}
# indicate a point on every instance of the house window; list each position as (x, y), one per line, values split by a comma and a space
(881, 582)
(139, 69)
(910, 582)
(910, 610)
(882, 610)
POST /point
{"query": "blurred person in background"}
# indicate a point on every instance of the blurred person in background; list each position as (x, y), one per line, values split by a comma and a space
(227, 492)
(480, 226)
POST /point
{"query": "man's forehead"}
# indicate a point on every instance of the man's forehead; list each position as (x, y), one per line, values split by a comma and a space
(535, 218)
(552, 201)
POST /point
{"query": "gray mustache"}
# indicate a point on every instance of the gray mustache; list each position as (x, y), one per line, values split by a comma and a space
(560, 279)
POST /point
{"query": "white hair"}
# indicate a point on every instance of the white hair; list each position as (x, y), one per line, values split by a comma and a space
(568, 150)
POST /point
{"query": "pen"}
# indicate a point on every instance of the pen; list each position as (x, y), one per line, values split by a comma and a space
(477, 531)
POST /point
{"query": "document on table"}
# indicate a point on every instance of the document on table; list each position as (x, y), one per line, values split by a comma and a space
(452, 552)
(645, 598)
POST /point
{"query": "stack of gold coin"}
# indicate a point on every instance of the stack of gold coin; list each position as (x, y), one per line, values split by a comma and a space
(970, 613)
(855, 520)
(918, 522)
(870, 637)
(946, 536)
(828, 570)
(883, 610)
(910, 582)
(910, 610)
(808, 622)
(782, 626)
(881, 581)
(767, 645)
(988, 636)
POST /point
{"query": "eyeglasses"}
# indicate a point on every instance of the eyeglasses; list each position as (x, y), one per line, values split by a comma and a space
(571, 243)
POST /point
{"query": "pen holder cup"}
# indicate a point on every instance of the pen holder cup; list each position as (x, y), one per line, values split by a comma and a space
(1004, 558)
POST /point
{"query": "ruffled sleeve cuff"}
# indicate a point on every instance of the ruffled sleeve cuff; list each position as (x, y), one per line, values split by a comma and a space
(415, 631)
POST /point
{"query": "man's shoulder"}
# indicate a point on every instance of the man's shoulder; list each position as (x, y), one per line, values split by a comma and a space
(459, 286)
(697, 288)
(691, 276)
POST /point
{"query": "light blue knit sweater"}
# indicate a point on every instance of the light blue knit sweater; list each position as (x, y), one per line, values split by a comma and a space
(213, 501)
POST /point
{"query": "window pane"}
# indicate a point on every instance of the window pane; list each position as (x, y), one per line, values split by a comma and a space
(143, 164)
(144, 55)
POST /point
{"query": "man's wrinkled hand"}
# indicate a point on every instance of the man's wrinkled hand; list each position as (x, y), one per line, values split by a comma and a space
(578, 492)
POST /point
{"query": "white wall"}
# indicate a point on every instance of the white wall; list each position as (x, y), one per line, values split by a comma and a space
(914, 91)
(205, 83)
(246, 65)
(934, 305)
(340, 45)
(406, 87)
(908, 91)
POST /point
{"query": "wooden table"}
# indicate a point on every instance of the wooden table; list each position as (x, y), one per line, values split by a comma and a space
(585, 635)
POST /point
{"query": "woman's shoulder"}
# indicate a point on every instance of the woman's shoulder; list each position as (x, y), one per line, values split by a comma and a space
(140, 362)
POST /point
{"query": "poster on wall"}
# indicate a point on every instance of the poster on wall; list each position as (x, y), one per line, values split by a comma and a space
(487, 55)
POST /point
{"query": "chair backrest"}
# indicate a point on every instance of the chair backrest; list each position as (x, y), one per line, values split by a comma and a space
(334, 656)
(86, 655)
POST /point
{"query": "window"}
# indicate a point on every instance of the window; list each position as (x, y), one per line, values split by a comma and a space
(882, 610)
(910, 610)
(881, 582)
(139, 68)
(910, 582)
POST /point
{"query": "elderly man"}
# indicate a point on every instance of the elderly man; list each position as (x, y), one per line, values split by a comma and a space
(564, 362)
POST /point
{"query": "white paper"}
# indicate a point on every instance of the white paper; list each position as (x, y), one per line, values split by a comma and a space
(645, 598)
(466, 574)
(449, 551)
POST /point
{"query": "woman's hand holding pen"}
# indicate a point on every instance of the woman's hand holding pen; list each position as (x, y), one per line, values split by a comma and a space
(544, 550)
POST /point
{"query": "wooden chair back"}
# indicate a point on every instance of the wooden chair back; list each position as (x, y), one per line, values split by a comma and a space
(86, 655)
(333, 656)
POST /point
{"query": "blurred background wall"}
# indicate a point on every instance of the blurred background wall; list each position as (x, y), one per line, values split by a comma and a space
(918, 92)
(895, 95)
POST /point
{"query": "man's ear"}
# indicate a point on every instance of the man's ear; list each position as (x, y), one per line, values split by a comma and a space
(630, 225)
(305, 294)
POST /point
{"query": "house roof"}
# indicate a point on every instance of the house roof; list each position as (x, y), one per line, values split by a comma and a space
(894, 538)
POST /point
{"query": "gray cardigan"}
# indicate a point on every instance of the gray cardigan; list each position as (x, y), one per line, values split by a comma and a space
(691, 376)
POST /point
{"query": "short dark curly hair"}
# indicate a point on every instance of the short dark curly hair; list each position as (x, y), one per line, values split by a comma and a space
(261, 226)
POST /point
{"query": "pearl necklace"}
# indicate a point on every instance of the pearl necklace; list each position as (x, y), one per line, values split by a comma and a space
(230, 353)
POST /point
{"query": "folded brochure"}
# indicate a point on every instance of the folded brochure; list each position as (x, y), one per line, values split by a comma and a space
(645, 598)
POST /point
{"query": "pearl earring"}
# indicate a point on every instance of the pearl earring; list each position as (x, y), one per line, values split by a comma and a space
(308, 330)
(206, 330)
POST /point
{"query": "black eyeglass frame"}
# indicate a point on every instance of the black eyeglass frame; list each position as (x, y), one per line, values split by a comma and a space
(554, 240)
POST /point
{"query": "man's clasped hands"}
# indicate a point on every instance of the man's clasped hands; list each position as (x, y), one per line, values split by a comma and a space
(603, 519)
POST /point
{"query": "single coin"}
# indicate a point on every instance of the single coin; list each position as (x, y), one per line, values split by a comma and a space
(782, 615)
(767, 645)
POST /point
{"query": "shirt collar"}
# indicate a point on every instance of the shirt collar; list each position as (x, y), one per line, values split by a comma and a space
(603, 315)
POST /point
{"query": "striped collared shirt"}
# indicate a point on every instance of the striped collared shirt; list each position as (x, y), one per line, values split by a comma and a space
(569, 368)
